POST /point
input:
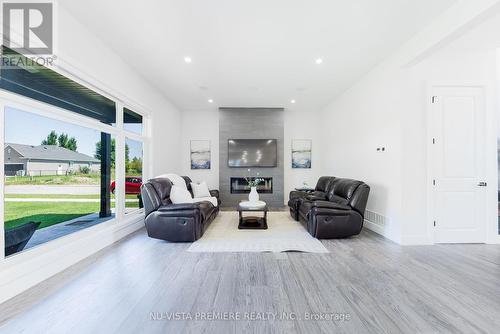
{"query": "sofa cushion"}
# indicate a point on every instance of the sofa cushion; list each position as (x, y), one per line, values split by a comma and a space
(344, 188)
(337, 199)
(323, 183)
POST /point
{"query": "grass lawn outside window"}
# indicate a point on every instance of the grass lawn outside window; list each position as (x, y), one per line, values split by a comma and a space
(51, 213)
(70, 179)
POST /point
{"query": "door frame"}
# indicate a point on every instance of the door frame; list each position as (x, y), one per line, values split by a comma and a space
(491, 165)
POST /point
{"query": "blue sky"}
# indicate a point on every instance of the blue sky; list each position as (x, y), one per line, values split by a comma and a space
(30, 129)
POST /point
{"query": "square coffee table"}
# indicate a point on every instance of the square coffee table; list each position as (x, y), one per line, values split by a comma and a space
(253, 222)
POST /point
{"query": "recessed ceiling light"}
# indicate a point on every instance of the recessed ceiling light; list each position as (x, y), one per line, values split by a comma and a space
(188, 59)
(319, 61)
(292, 101)
(210, 101)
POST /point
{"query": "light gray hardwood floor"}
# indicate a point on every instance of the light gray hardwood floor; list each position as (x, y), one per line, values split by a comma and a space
(379, 286)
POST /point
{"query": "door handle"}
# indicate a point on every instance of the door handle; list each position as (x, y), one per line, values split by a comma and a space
(482, 184)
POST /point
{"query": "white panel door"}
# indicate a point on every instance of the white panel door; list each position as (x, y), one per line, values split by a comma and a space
(459, 201)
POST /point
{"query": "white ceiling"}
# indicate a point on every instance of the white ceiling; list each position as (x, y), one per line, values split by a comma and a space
(254, 52)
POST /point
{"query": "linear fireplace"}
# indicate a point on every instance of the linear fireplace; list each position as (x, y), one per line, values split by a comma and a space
(240, 186)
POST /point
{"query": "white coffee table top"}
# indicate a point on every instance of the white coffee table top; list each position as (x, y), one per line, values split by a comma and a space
(252, 205)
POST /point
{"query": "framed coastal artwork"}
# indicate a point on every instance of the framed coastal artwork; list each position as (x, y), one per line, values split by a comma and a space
(200, 154)
(301, 153)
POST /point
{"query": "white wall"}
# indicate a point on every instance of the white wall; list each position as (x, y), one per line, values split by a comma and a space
(85, 57)
(205, 125)
(353, 127)
(388, 107)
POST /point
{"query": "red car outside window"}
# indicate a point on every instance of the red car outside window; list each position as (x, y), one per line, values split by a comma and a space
(132, 185)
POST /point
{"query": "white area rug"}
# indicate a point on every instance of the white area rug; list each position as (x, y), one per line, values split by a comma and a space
(283, 234)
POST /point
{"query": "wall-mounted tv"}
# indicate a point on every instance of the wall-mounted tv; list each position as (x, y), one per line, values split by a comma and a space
(252, 153)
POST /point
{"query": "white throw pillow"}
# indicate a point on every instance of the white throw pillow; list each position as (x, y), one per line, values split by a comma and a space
(180, 196)
(200, 190)
(176, 180)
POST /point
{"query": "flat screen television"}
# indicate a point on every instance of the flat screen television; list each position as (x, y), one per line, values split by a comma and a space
(252, 153)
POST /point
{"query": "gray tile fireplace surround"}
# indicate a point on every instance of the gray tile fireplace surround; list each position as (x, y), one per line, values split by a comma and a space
(251, 123)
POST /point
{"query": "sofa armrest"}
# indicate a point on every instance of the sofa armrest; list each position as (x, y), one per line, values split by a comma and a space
(330, 205)
(296, 194)
(316, 197)
(192, 210)
(215, 193)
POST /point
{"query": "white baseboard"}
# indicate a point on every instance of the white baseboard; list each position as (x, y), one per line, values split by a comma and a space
(374, 227)
(493, 240)
(23, 271)
(381, 230)
(405, 240)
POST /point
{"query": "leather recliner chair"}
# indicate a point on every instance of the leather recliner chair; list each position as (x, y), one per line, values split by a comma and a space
(174, 222)
(339, 214)
(319, 192)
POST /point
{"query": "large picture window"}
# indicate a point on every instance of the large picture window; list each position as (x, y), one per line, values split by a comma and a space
(60, 156)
